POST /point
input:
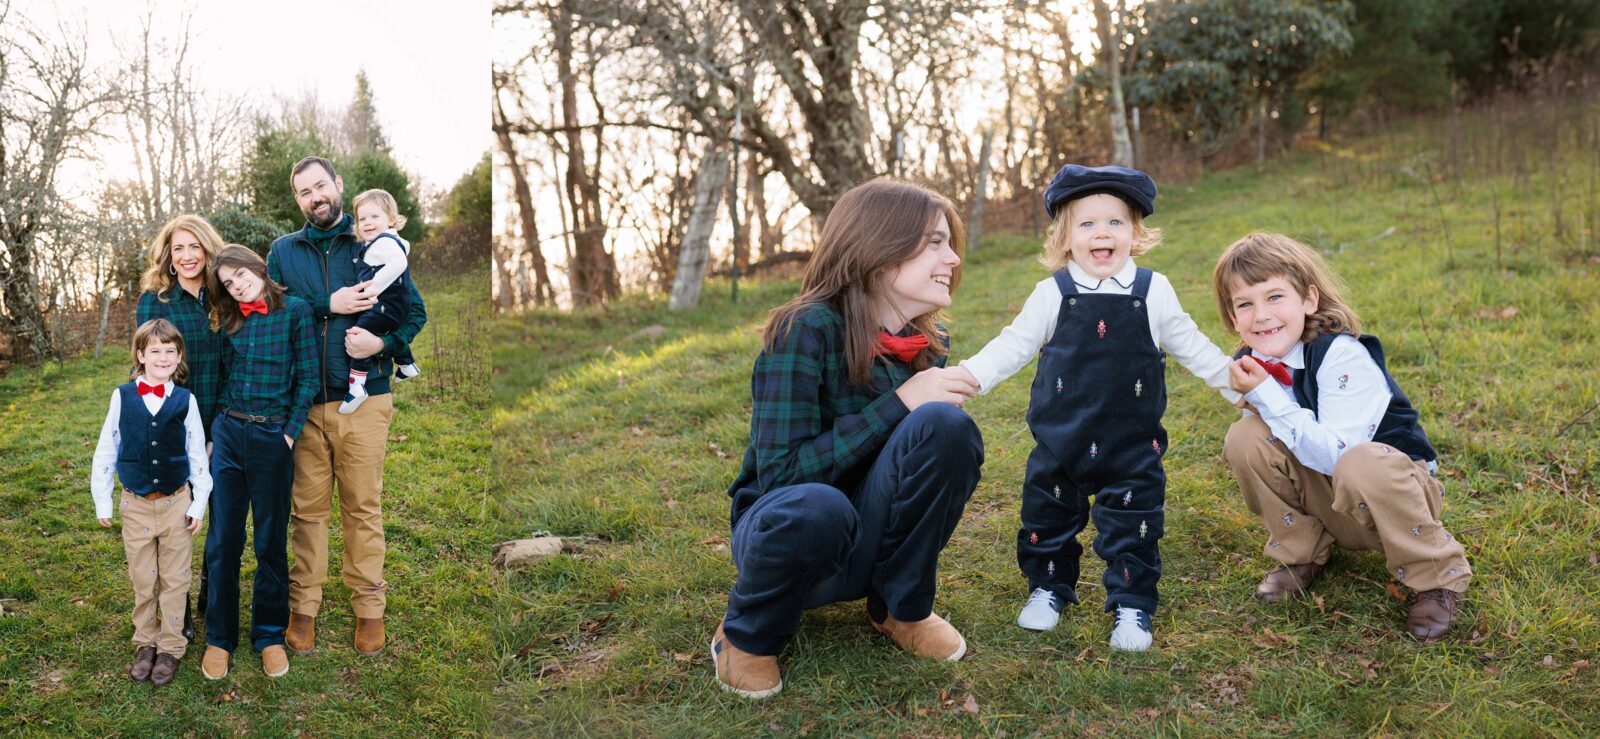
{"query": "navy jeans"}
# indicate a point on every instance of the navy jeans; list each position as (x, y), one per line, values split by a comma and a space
(252, 468)
(804, 546)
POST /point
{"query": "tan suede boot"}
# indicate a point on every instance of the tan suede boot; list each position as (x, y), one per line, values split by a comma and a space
(369, 636)
(932, 637)
(742, 673)
(215, 664)
(275, 661)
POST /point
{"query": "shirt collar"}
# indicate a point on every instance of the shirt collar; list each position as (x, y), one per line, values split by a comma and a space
(1123, 278)
(1295, 359)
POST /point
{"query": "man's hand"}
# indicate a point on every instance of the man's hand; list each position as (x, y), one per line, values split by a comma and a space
(360, 343)
(1245, 375)
(351, 299)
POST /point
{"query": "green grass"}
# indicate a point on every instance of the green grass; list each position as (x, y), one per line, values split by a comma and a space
(64, 635)
(629, 444)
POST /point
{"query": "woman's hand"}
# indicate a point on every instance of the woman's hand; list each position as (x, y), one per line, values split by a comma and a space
(938, 385)
(1245, 375)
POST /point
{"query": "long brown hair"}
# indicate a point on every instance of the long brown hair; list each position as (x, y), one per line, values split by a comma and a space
(159, 330)
(224, 309)
(158, 274)
(874, 227)
(1262, 256)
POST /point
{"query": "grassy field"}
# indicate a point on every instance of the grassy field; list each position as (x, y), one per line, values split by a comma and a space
(64, 632)
(1482, 282)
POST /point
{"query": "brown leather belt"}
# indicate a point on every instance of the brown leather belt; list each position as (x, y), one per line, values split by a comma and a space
(247, 418)
(158, 495)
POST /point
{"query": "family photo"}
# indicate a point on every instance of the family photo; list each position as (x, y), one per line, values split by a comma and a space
(800, 367)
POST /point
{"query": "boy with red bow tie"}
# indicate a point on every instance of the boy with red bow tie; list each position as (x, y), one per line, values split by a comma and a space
(271, 354)
(152, 440)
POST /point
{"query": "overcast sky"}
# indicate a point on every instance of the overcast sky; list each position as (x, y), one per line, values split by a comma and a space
(428, 62)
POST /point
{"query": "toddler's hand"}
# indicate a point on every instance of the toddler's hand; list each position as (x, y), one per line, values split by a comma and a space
(192, 524)
(966, 374)
(937, 385)
(105, 523)
(1245, 375)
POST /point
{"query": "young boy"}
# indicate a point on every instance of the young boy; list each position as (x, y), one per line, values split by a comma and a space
(153, 442)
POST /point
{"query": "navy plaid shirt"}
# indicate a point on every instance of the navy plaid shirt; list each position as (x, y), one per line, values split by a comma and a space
(808, 423)
(273, 365)
(203, 348)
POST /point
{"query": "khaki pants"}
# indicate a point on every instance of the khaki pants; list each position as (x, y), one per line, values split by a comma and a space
(1378, 498)
(348, 450)
(159, 551)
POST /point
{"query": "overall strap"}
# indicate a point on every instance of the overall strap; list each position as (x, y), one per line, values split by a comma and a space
(1141, 283)
(1064, 281)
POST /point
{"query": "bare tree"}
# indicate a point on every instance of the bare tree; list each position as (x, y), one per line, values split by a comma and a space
(541, 292)
(51, 106)
(593, 268)
(697, 237)
(1111, 58)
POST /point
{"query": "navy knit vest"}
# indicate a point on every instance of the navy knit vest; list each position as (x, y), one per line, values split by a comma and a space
(1399, 428)
(154, 457)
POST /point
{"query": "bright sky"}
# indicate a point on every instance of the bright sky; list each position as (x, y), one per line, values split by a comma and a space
(427, 62)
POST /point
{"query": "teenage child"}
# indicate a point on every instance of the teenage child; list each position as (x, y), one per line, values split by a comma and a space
(152, 441)
(860, 459)
(382, 261)
(1099, 325)
(1334, 453)
(272, 377)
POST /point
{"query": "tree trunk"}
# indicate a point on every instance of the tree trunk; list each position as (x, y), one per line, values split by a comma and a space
(1121, 143)
(542, 290)
(766, 235)
(696, 249)
(594, 276)
(975, 226)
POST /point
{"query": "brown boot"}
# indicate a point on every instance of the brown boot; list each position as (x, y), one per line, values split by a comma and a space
(1433, 613)
(275, 661)
(932, 637)
(166, 666)
(301, 636)
(1286, 580)
(143, 661)
(215, 664)
(742, 673)
(369, 636)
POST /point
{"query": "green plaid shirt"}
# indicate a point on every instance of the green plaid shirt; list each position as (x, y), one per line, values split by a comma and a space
(273, 365)
(807, 422)
(202, 347)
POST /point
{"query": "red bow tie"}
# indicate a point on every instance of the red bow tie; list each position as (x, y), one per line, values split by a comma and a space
(260, 306)
(1278, 370)
(159, 391)
(903, 348)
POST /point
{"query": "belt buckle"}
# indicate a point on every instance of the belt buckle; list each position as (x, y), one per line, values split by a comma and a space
(258, 419)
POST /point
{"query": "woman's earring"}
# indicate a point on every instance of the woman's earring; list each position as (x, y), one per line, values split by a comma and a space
(171, 270)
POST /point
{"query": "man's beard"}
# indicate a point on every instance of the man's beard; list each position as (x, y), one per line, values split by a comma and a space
(334, 214)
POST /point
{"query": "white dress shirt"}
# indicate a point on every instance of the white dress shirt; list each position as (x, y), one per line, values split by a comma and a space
(1170, 327)
(102, 480)
(1352, 396)
(388, 257)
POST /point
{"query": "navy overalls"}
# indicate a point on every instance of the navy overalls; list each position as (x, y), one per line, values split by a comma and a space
(1096, 413)
(393, 305)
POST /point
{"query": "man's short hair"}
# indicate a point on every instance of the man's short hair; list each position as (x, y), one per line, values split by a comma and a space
(305, 164)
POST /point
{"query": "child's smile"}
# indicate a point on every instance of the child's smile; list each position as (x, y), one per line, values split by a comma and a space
(1102, 234)
(160, 360)
(1271, 316)
(245, 286)
(371, 220)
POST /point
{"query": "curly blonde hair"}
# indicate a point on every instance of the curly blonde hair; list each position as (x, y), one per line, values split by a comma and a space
(159, 274)
(1058, 244)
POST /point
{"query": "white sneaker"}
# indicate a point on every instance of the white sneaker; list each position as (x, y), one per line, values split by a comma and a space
(1042, 611)
(406, 371)
(353, 398)
(1132, 631)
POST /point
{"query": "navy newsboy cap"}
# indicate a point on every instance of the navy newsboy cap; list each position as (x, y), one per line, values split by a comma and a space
(1075, 181)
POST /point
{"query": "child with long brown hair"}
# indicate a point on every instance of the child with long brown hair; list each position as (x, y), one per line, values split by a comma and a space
(272, 378)
(1333, 452)
(153, 443)
(860, 459)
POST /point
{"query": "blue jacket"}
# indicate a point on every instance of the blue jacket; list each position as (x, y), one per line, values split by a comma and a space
(313, 275)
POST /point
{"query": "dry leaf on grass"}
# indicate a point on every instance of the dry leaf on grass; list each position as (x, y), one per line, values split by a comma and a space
(1502, 314)
(1396, 593)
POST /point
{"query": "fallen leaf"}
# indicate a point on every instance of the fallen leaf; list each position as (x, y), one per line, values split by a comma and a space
(1492, 670)
(1502, 314)
(672, 504)
(1396, 592)
(970, 705)
(717, 450)
(1550, 661)
(681, 657)
(1317, 599)
(637, 431)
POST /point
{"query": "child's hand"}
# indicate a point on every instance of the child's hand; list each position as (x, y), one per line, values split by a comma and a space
(289, 439)
(966, 374)
(937, 385)
(105, 523)
(192, 524)
(1244, 374)
(1246, 405)
(351, 299)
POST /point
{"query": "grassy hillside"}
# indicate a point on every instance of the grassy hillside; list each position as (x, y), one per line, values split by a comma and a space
(1470, 248)
(64, 630)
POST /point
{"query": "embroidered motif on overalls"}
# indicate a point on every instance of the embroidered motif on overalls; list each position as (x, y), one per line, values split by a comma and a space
(1102, 329)
(1138, 388)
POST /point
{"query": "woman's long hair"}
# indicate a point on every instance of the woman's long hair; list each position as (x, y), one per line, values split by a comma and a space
(158, 274)
(224, 309)
(1262, 256)
(872, 229)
